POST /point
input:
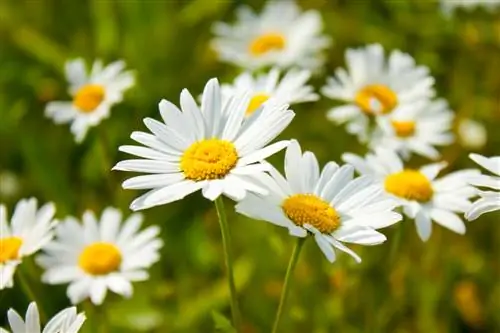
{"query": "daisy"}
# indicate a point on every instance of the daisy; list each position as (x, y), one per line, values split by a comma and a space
(281, 36)
(374, 86)
(99, 255)
(93, 95)
(291, 89)
(30, 229)
(423, 197)
(490, 200)
(416, 129)
(212, 148)
(66, 321)
(328, 204)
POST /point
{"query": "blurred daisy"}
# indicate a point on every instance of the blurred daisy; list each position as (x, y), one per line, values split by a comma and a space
(66, 321)
(490, 200)
(291, 89)
(328, 204)
(416, 129)
(472, 134)
(423, 197)
(99, 255)
(281, 36)
(448, 6)
(212, 148)
(29, 230)
(93, 95)
(375, 86)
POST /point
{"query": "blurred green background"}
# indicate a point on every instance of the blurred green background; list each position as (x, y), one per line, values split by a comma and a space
(449, 284)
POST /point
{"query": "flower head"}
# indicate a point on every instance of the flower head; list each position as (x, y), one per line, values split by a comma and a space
(280, 36)
(489, 201)
(212, 148)
(423, 196)
(92, 94)
(100, 254)
(29, 230)
(65, 321)
(328, 204)
(374, 86)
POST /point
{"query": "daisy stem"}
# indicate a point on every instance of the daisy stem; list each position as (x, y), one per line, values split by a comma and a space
(228, 258)
(288, 279)
(30, 294)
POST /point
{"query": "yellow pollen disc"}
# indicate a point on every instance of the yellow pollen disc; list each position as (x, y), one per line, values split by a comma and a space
(88, 98)
(209, 159)
(376, 92)
(309, 209)
(100, 258)
(403, 129)
(9, 248)
(410, 185)
(267, 42)
(256, 101)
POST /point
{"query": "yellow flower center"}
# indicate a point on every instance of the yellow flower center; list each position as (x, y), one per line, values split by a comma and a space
(309, 209)
(256, 101)
(410, 185)
(267, 42)
(209, 159)
(403, 129)
(100, 258)
(88, 98)
(376, 98)
(9, 248)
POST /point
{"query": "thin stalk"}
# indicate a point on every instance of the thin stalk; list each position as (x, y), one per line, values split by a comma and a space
(25, 284)
(228, 259)
(288, 280)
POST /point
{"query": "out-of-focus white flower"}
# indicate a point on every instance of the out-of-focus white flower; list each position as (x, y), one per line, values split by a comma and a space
(9, 184)
(212, 148)
(93, 95)
(375, 86)
(415, 129)
(489, 200)
(29, 230)
(328, 204)
(281, 36)
(472, 134)
(292, 88)
(100, 255)
(65, 321)
(423, 197)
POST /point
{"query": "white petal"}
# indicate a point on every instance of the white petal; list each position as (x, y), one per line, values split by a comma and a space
(213, 189)
(424, 225)
(325, 247)
(482, 206)
(166, 195)
(448, 220)
(147, 166)
(152, 181)
(98, 291)
(359, 235)
(32, 319)
(262, 154)
(16, 322)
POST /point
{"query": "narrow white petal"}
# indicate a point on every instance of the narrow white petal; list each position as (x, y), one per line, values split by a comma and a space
(448, 220)
(424, 225)
(152, 181)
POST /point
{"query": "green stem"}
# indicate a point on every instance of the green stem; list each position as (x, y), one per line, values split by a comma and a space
(30, 294)
(228, 258)
(288, 279)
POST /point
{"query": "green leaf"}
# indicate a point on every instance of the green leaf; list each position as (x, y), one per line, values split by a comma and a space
(222, 324)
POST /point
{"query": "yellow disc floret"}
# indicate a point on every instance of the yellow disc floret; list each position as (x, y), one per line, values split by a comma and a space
(410, 185)
(88, 97)
(267, 42)
(256, 101)
(403, 129)
(9, 248)
(100, 258)
(209, 159)
(379, 92)
(310, 209)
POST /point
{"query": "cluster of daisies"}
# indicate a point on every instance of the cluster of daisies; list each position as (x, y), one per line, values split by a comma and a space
(219, 144)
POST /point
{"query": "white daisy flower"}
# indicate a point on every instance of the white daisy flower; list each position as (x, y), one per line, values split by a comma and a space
(99, 255)
(281, 36)
(416, 129)
(472, 134)
(93, 95)
(328, 204)
(448, 6)
(65, 321)
(489, 200)
(291, 89)
(375, 86)
(212, 148)
(423, 197)
(29, 230)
